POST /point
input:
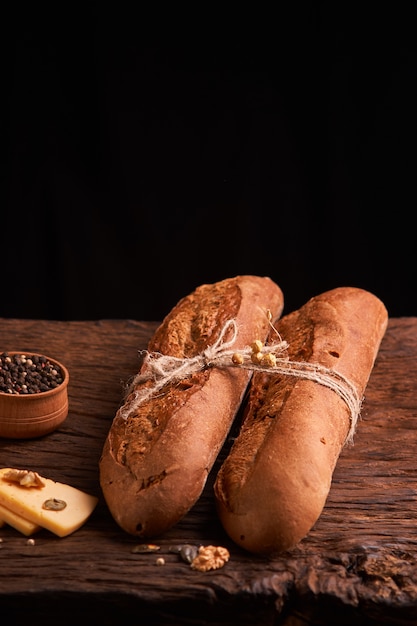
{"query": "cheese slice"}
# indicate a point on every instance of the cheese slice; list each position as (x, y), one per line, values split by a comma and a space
(58, 507)
(17, 521)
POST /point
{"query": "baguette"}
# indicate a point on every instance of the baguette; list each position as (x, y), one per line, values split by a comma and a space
(157, 456)
(273, 484)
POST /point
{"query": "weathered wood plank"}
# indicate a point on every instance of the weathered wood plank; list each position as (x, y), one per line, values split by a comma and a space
(359, 562)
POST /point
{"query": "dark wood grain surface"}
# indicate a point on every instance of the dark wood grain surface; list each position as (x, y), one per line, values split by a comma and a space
(357, 565)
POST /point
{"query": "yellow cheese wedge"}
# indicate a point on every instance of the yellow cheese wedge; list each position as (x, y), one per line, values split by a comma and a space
(58, 507)
(18, 522)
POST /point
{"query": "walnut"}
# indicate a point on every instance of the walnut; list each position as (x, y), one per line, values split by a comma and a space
(25, 478)
(210, 557)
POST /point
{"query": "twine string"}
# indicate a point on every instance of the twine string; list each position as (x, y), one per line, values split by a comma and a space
(162, 369)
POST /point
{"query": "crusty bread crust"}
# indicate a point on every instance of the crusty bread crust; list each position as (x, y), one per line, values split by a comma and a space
(155, 463)
(272, 487)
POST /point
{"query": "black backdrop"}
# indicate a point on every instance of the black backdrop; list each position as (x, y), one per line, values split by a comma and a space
(139, 166)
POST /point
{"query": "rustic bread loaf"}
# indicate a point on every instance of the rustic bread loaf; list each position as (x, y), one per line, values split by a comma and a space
(157, 456)
(273, 485)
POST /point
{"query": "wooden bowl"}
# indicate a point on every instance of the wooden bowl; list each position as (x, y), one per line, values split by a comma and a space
(25, 416)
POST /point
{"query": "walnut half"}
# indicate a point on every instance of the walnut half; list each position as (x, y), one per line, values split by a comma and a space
(25, 478)
(210, 557)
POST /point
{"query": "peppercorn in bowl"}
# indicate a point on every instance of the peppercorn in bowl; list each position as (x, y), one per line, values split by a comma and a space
(33, 395)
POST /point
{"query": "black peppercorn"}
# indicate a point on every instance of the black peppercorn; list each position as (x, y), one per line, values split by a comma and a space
(28, 373)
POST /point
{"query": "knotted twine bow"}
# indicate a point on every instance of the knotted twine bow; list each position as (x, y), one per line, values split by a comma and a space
(163, 369)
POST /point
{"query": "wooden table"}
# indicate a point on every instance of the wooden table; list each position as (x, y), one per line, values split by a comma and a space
(358, 564)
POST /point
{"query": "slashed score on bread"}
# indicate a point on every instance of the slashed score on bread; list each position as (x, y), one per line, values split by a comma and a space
(157, 455)
(273, 485)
